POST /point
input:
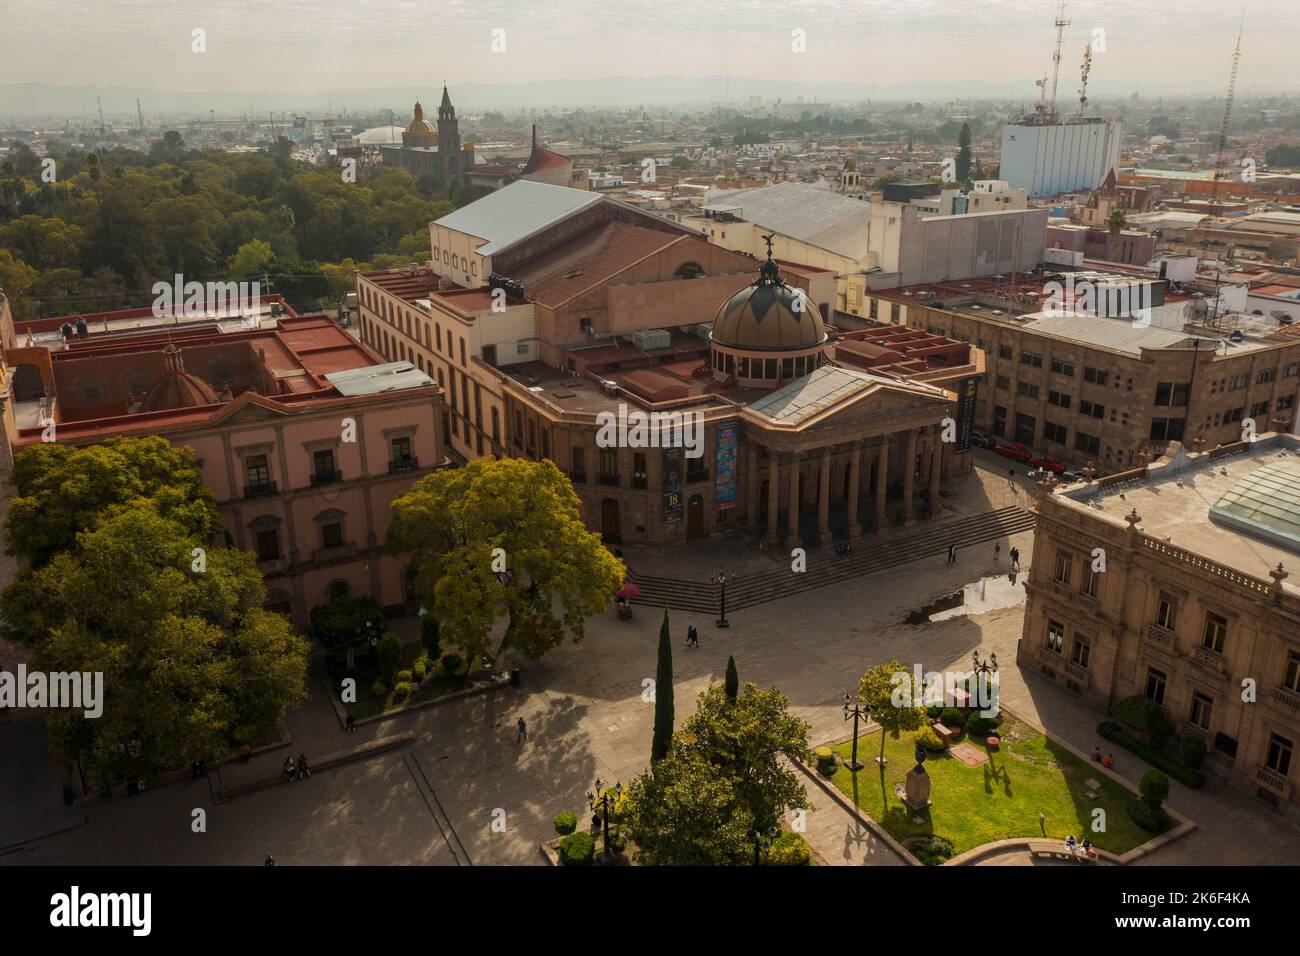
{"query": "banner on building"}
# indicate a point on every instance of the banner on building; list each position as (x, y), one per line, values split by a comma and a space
(724, 479)
(965, 412)
(672, 484)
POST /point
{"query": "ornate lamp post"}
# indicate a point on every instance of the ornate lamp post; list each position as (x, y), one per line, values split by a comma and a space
(601, 799)
(762, 838)
(857, 712)
(721, 578)
(983, 669)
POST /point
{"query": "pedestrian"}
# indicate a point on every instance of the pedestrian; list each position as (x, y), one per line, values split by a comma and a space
(692, 636)
(997, 551)
(1015, 559)
(289, 769)
(351, 723)
(952, 554)
(1096, 754)
(522, 728)
(270, 860)
(304, 771)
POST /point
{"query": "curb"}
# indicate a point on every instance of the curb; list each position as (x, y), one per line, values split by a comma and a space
(337, 759)
(856, 812)
(342, 715)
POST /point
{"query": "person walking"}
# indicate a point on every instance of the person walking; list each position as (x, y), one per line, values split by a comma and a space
(522, 728)
(997, 551)
(952, 554)
(304, 771)
(1015, 559)
(351, 723)
(692, 636)
(289, 769)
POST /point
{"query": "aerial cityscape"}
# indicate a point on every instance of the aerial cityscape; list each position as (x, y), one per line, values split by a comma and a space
(736, 435)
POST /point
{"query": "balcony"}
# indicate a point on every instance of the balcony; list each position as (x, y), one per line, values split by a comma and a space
(1048, 656)
(1273, 781)
(1210, 660)
(1161, 637)
(1070, 596)
(1288, 698)
(1191, 729)
(260, 490)
(398, 465)
(326, 477)
(1076, 672)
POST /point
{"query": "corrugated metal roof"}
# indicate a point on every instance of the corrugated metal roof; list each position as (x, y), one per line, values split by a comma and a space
(516, 212)
(816, 216)
(1122, 335)
(373, 379)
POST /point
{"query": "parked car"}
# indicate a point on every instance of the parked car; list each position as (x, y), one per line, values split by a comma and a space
(981, 440)
(1048, 463)
(1071, 476)
(1013, 450)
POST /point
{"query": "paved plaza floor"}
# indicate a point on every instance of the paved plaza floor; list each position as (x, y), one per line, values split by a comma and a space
(586, 718)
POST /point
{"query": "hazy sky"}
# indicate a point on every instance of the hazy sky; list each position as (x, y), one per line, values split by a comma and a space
(293, 45)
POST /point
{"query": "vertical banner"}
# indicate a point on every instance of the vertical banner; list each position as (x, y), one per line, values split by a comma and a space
(965, 412)
(724, 484)
(672, 484)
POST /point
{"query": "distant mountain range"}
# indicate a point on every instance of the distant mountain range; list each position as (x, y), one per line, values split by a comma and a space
(29, 101)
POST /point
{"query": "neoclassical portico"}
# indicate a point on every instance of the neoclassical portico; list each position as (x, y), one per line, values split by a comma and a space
(843, 437)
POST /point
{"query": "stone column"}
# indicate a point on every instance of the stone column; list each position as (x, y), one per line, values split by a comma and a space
(882, 484)
(909, 479)
(855, 489)
(792, 519)
(751, 486)
(773, 496)
(824, 499)
(936, 471)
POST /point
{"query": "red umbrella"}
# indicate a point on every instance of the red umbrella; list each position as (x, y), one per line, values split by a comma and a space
(628, 591)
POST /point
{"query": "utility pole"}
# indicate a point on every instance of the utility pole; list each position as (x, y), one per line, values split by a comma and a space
(1061, 24)
(139, 112)
(1227, 113)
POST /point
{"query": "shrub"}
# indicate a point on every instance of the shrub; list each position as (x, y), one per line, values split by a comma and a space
(1191, 750)
(952, 717)
(404, 676)
(1148, 816)
(401, 690)
(1154, 787)
(390, 655)
(827, 762)
(933, 711)
(379, 689)
(1108, 727)
(932, 852)
(452, 663)
(789, 849)
(565, 823)
(927, 738)
(1138, 712)
(1190, 778)
(577, 849)
(429, 629)
(978, 726)
(420, 668)
(1158, 732)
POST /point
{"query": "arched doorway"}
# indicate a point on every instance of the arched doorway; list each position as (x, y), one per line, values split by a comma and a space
(610, 529)
(694, 518)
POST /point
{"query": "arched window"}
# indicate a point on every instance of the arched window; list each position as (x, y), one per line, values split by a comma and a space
(689, 270)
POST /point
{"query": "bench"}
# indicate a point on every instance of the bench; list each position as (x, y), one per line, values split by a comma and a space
(1057, 850)
(946, 735)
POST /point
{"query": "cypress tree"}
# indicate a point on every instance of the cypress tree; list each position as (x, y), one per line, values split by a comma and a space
(663, 735)
(733, 679)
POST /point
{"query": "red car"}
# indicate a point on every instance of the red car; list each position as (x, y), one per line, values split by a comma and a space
(1048, 463)
(1013, 450)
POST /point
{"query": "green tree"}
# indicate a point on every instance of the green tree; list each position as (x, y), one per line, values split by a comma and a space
(1154, 788)
(251, 260)
(733, 678)
(504, 538)
(664, 716)
(389, 654)
(1115, 224)
(887, 693)
(963, 153)
(190, 659)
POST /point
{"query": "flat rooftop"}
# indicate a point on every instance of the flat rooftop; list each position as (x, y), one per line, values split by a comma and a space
(1176, 506)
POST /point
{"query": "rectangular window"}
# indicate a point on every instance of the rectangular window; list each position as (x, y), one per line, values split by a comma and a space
(1086, 443)
(1062, 368)
(1259, 410)
(1166, 612)
(999, 421)
(1082, 651)
(1291, 370)
(1265, 375)
(1167, 429)
(1032, 359)
(1089, 584)
(1091, 408)
(1291, 681)
(1059, 399)
(1095, 375)
(639, 478)
(1006, 352)
(1003, 382)
(1054, 432)
(1216, 629)
(268, 545)
(579, 465)
(1055, 635)
(1278, 756)
(1155, 686)
(608, 466)
(331, 535)
(1233, 415)
(1202, 708)
(462, 352)
(323, 466)
(1025, 390)
(1064, 562)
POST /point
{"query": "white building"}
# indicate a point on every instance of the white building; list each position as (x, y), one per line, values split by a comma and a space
(1052, 158)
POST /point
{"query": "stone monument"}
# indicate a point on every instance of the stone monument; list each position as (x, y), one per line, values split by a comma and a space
(916, 787)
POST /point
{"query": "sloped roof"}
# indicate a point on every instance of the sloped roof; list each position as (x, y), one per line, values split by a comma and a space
(826, 387)
(516, 212)
(808, 213)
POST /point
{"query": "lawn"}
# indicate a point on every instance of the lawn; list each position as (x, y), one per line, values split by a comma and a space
(366, 673)
(997, 800)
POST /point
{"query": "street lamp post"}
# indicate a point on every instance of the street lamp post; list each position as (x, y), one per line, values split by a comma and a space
(983, 669)
(721, 578)
(601, 798)
(857, 712)
(762, 837)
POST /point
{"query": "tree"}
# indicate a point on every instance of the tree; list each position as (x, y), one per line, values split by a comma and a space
(190, 659)
(664, 716)
(963, 153)
(1115, 224)
(746, 739)
(504, 538)
(733, 679)
(887, 693)
(389, 654)
(1154, 788)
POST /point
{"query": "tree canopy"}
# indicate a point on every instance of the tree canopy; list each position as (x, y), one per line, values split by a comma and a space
(549, 575)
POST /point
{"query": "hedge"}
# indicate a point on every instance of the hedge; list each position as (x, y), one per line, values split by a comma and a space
(789, 849)
(565, 823)
(1173, 768)
(1138, 712)
(577, 849)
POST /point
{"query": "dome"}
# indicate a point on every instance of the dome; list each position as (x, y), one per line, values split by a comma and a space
(177, 388)
(769, 316)
(418, 123)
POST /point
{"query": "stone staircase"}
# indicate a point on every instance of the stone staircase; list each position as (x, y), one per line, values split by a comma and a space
(868, 556)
